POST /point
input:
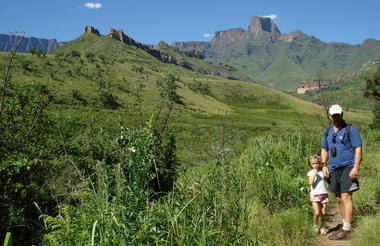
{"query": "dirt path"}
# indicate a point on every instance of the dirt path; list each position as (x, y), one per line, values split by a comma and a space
(334, 222)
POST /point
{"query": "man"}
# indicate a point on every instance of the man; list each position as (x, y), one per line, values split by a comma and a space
(342, 146)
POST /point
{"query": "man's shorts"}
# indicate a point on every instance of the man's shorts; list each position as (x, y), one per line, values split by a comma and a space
(322, 198)
(340, 181)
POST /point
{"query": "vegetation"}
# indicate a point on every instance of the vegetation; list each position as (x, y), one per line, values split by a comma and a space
(373, 91)
(184, 158)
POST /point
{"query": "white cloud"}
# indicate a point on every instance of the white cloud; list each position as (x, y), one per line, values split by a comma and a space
(272, 16)
(93, 5)
(206, 35)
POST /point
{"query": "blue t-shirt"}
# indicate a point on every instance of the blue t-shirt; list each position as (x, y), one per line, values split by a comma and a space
(345, 152)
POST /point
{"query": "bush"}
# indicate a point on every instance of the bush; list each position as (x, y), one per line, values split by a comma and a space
(112, 203)
(108, 100)
(372, 91)
(37, 52)
(24, 128)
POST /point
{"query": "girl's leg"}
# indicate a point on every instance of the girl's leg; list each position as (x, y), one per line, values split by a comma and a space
(323, 214)
(323, 219)
(317, 210)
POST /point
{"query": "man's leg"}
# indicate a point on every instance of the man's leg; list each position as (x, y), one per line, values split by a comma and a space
(346, 199)
(340, 204)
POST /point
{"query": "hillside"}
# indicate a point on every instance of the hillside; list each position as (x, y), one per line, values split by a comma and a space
(344, 88)
(83, 73)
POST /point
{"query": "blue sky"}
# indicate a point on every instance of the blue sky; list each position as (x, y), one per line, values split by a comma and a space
(150, 21)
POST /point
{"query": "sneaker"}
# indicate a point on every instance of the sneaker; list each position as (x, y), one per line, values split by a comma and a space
(323, 230)
(316, 229)
(339, 235)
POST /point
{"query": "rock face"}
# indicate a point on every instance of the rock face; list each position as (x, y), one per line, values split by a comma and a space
(229, 36)
(259, 27)
(8, 42)
(120, 36)
(90, 29)
(192, 45)
(262, 27)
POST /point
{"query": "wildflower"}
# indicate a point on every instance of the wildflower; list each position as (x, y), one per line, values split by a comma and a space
(133, 149)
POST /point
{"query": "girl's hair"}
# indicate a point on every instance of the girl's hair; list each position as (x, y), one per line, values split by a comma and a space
(313, 157)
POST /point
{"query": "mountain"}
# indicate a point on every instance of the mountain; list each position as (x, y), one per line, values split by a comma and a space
(191, 60)
(8, 42)
(281, 60)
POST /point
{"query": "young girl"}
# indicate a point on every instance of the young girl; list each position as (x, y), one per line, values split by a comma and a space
(318, 194)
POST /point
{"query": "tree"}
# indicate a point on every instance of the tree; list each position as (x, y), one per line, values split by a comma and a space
(37, 52)
(372, 91)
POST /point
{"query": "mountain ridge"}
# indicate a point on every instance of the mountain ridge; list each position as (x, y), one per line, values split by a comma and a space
(8, 42)
(255, 50)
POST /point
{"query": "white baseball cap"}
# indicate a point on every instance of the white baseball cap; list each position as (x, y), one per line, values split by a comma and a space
(335, 109)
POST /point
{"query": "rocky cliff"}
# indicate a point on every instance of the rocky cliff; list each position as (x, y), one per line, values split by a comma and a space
(120, 36)
(8, 42)
(192, 45)
(262, 27)
(258, 28)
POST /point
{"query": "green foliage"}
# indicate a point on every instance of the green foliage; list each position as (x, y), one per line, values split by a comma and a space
(24, 126)
(200, 87)
(74, 54)
(108, 100)
(8, 239)
(367, 231)
(115, 196)
(37, 52)
(259, 198)
(372, 91)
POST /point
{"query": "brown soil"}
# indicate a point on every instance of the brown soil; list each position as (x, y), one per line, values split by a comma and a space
(334, 223)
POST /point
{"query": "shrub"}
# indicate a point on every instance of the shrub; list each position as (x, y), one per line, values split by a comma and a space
(37, 52)
(108, 100)
(24, 128)
(112, 205)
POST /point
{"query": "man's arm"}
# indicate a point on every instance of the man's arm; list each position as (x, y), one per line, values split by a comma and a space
(324, 157)
(358, 158)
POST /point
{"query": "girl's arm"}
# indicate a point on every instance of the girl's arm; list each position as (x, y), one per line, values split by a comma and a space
(312, 177)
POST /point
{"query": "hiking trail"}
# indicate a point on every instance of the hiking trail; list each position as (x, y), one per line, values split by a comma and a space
(334, 222)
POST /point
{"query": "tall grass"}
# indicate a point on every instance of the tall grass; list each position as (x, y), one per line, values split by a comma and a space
(260, 198)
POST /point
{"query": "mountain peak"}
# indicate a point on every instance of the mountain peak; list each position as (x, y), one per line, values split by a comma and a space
(262, 27)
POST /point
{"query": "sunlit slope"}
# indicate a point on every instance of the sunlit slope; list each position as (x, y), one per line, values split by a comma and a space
(215, 110)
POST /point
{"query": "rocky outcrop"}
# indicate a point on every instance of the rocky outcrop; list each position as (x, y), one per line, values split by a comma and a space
(314, 83)
(194, 53)
(92, 30)
(120, 36)
(229, 36)
(289, 37)
(8, 42)
(372, 62)
(262, 27)
(192, 45)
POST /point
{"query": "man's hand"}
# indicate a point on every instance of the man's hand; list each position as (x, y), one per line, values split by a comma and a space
(326, 172)
(354, 173)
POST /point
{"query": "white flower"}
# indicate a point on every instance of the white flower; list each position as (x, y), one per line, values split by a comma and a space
(133, 149)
